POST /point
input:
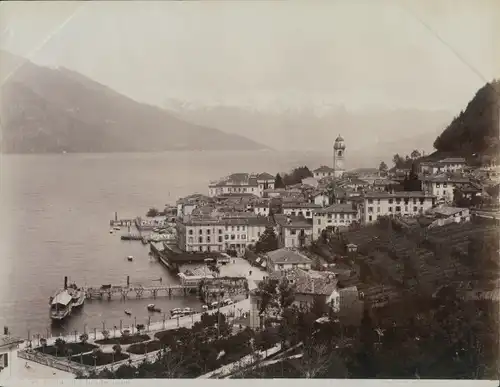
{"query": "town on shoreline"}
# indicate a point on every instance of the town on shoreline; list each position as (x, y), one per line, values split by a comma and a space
(342, 247)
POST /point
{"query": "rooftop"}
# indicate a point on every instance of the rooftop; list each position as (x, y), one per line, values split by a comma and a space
(325, 169)
(300, 205)
(453, 160)
(336, 208)
(286, 255)
(292, 221)
(448, 211)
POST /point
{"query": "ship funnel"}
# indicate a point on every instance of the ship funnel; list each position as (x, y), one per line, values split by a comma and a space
(65, 282)
(5, 331)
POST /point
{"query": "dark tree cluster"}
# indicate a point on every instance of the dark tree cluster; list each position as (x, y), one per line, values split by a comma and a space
(475, 130)
(296, 176)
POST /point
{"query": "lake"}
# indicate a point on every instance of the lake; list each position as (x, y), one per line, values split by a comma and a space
(55, 212)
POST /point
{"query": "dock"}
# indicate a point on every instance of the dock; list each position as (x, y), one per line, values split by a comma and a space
(124, 292)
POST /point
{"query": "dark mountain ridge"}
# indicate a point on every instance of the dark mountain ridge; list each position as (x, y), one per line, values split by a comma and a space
(47, 110)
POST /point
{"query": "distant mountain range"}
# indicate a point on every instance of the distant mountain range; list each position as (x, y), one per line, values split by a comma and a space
(370, 135)
(46, 110)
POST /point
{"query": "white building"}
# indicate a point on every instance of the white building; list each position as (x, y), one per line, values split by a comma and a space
(405, 203)
(323, 171)
(339, 157)
(293, 231)
(442, 186)
(451, 164)
(300, 209)
(336, 215)
(320, 198)
(286, 259)
(220, 234)
(242, 183)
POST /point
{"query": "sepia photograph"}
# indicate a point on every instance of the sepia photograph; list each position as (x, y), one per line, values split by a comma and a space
(249, 190)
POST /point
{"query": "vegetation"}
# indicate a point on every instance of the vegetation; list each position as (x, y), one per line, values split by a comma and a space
(153, 212)
(146, 347)
(383, 167)
(98, 358)
(268, 241)
(475, 130)
(297, 175)
(278, 182)
(62, 348)
(124, 340)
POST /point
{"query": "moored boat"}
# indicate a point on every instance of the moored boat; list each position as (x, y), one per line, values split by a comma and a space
(60, 305)
(77, 295)
(130, 258)
(128, 313)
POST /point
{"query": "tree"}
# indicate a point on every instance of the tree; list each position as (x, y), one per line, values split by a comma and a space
(84, 338)
(267, 241)
(117, 350)
(297, 175)
(60, 345)
(278, 182)
(382, 167)
(397, 160)
(152, 212)
(415, 154)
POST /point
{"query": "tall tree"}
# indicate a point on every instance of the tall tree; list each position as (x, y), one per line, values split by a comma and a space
(382, 167)
(278, 182)
(415, 154)
(268, 241)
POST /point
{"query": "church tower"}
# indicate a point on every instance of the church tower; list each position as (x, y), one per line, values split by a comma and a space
(339, 157)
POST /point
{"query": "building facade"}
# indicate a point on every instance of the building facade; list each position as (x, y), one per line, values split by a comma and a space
(242, 183)
(293, 231)
(323, 171)
(405, 203)
(336, 215)
(442, 186)
(300, 209)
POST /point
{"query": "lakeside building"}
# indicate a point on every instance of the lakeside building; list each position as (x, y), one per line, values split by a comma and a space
(336, 216)
(242, 183)
(205, 234)
(404, 203)
(293, 231)
(450, 164)
(8, 354)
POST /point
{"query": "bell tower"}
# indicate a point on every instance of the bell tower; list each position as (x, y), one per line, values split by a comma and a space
(339, 157)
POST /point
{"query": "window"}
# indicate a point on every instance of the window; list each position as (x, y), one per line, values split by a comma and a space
(232, 228)
(406, 208)
(398, 208)
(390, 201)
(190, 240)
(398, 200)
(319, 221)
(370, 209)
(190, 232)
(437, 185)
(227, 228)
(200, 240)
(237, 228)
(258, 234)
(200, 231)
(208, 248)
(4, 361)
(378, 209)
(243, 236)
(293, 213)
(208, 231)
(370, 201)
(444, 185)
(200, 248)
(208, 239)
(220, 238)
(232, 237)
(415, 209)
(370, 218)
(293, 232)
(220, 230)
(414, 200)
(341, 216)
(226, 237)
(390, 209)
(308, 213)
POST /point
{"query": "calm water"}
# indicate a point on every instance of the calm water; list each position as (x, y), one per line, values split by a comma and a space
(55, 212)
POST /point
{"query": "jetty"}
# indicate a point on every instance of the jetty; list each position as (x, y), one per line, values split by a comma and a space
(124, 292)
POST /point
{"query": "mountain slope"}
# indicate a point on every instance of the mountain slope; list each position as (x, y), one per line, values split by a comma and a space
(52, 110)
(476, 129)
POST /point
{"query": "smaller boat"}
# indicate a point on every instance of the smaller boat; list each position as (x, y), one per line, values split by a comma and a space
(187, 311)
(130, 258)
(116, 228)
(128, 313)
(175, 311)
(153, 308)
(111, 231)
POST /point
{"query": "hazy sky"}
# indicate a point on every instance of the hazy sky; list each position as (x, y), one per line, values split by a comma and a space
(355, 53)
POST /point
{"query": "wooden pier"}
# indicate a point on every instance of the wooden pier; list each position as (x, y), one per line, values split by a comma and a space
(125, 292)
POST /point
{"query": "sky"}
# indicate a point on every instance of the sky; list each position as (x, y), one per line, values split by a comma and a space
(390, 54)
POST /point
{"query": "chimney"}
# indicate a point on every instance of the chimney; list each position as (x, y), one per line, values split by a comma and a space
(65, 282)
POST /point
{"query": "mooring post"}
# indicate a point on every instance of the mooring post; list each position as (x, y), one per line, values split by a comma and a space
(128, 281)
